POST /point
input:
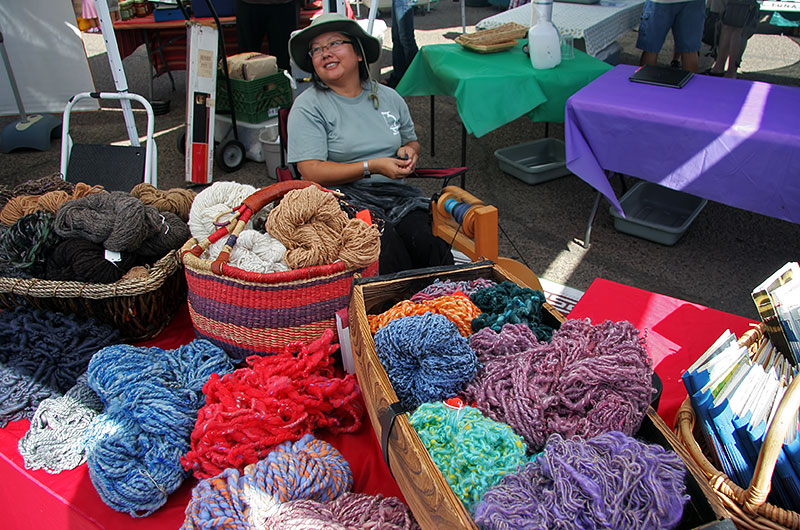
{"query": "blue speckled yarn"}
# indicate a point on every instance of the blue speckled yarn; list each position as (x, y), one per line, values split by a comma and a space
(610, 481)
(473, 453)
(508, 303)
(425, 357)
(306, 469)
(152, 397)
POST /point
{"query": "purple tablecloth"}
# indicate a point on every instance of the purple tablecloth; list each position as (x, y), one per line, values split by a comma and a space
(728, 140)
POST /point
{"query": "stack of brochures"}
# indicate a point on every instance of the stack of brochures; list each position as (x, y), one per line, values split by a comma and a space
(735, 392)
(778, 302)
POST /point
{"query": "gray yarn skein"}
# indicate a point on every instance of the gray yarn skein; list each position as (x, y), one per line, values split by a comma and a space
(54, 440)
(116, 220)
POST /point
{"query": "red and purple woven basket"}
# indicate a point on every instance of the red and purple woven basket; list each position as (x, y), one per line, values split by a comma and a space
(249, 313)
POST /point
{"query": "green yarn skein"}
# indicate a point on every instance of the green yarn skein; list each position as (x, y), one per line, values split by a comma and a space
(473, 453)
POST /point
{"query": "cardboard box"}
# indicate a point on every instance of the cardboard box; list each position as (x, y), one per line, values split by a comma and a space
(427, 493)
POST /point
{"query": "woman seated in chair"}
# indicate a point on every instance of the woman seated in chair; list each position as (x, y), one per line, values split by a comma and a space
(351, 133)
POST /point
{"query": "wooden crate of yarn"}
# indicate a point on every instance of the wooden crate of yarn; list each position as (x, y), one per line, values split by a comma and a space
(425, 489)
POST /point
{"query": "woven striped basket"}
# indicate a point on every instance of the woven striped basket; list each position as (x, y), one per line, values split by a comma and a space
(248, 313)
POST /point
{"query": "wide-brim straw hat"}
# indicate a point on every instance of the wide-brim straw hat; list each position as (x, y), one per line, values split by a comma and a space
(329, 22)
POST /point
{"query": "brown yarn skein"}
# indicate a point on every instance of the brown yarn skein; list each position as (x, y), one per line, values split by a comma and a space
(51, 201)
(84, 261)
(309, 223)
(42, 185)
(175, 200)
(361, 244)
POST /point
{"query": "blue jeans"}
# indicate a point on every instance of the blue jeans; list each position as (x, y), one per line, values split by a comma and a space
(404, 45)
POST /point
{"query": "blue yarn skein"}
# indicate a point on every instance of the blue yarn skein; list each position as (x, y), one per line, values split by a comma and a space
(306, 469)
(425, 357)
(152, 397)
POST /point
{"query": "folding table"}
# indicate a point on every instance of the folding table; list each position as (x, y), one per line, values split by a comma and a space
(37, 499)
(165, 42)
(727, 140)
(598, 25)
(496, 88)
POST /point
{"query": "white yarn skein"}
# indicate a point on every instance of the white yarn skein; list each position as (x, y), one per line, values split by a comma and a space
(219, 198)
(54, 440)
(253, 252)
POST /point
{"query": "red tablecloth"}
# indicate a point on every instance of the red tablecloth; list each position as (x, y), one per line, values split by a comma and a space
(68, 500)
(677, 332)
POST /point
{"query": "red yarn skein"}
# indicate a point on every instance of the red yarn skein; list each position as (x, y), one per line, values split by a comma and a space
(274, 399)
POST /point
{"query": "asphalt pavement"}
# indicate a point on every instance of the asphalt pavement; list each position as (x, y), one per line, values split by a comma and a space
(722, 256)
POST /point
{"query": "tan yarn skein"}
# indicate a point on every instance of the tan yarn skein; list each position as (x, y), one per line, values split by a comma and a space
(22, 205)
(175, 200)
(18, 207)
(361, 244)
(53, 200)
(309, 223)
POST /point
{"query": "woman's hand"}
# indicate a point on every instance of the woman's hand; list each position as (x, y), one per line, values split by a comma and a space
(393, 168)
(409, 154)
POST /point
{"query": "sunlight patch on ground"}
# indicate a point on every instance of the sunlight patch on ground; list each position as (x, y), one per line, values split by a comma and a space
(769, 52)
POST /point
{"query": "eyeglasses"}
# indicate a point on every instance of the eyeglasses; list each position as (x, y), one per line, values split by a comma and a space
(333, 46)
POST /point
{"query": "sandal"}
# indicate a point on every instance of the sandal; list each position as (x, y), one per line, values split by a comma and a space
(713, 74)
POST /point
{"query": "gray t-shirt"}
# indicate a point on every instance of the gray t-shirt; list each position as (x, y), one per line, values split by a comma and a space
(326, 126)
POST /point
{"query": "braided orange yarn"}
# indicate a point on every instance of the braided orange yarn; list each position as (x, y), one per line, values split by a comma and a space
(458, 308)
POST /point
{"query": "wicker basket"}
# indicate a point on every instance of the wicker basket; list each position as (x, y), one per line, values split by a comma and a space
(249, 313)
(494, 39)
(139, 307)
(748, 508)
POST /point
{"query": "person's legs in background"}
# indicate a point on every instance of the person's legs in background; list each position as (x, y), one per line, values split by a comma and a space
(251, 26)
(688, 32)
(282, 20)
(404, 44)
(653, 28)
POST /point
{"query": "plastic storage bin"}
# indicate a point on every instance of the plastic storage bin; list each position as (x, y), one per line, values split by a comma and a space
(249, 134)
(656, 213)
(534, 162)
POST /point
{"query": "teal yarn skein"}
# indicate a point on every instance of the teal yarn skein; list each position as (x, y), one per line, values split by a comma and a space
(425, 357)
(473, 453)
(508, 303)
(152, 397)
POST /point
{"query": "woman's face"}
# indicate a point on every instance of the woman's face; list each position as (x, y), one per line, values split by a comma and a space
(333, 63)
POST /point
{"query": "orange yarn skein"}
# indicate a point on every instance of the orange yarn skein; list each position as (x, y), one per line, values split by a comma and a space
(458, 308)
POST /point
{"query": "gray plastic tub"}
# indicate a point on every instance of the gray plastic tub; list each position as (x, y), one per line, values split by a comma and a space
(534, 162)
(656, 213)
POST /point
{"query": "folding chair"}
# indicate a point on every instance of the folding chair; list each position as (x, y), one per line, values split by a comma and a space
(115, 167)
(284, 172)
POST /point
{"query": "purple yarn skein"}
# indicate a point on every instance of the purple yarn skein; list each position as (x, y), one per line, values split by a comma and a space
(611, 481)
(588, 380)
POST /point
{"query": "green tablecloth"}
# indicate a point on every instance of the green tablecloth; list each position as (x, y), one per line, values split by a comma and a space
(496, 88)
